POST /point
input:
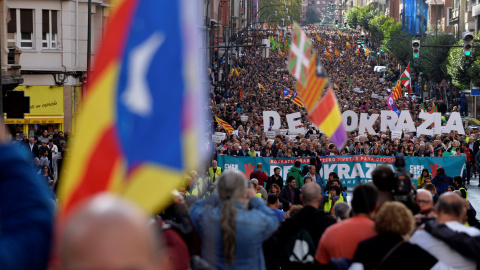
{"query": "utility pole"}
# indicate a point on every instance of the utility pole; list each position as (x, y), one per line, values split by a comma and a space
(461, 17)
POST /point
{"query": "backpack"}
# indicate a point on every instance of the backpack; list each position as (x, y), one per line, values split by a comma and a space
(301, 249)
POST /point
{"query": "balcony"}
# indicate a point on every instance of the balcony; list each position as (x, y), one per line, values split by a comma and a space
(11, 76)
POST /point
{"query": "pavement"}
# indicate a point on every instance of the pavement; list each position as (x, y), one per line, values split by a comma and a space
(473, 194)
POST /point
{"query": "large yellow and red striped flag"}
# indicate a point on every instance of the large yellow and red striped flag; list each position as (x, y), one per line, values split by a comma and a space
(229, 129)
(397, 91)
(315, 85)
(139, 88)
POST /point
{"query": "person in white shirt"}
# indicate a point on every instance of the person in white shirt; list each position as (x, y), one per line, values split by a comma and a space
(451, 212)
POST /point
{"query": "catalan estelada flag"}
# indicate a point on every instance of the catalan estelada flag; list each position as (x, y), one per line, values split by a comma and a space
(328, 118)
(296, 99)
(231, 73)
(261, 87)
(286, 93)
(397, 91)
(367, 52)
(337, 52)
(138, 89)
(316, 80)
(348, 45)
(229, 129)
(318, 37)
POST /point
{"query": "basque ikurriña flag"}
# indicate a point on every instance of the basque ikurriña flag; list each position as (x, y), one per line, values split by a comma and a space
(136, 133)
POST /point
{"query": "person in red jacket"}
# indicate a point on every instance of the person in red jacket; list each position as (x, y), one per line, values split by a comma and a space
(259, 175)
(468, 162)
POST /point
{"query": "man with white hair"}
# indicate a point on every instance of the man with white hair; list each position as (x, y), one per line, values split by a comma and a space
(451, 211)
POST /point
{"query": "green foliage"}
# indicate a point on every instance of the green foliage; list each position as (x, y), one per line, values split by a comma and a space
(398, 43)
(434, 60)
(312, 17)
(365, 15)
(351, 17)
(464, 69)
(268, 7)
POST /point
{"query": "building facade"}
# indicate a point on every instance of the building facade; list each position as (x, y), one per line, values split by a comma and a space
(50, 41)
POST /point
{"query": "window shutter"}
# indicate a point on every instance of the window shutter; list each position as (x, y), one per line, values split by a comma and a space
(26, 20)
(45, 22)
(12, 24)
(54, 22)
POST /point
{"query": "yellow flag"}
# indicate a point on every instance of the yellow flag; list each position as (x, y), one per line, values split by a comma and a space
(231, 73)
(348, 45)
(318, 37)
(261, 87)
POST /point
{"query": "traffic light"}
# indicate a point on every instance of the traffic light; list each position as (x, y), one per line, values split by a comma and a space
(345, 25)
(467, 43)
(416, 48)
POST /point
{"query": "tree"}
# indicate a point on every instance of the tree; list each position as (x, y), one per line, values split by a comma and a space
(398, 43)
(434, 60)
(351, 16)
(464, 69)
(269, 7)
(312, 17)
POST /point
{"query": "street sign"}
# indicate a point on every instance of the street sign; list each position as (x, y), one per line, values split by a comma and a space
(474, 90)
(16, 104)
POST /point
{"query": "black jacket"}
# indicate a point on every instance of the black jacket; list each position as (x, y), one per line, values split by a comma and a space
(285, 197)
(272, 180)
(372, 251)
(315, 221)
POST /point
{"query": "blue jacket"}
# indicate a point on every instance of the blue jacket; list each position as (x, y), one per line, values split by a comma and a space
(441, 182)
(26, 212)
(252, 228)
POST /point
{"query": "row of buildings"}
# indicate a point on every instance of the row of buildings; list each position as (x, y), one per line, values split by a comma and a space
(419, 17)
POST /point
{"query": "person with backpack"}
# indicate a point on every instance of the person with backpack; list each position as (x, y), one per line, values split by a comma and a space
(304, 228)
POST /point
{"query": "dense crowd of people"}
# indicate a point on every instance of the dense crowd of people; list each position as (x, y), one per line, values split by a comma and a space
(224, 219)
(242, 225)
(236, 96)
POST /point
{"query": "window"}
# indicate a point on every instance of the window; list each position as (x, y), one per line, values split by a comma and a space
(449, 15)
(303, 9)
(20, 28)
(318, 9)
(49, 29)
(318, 2)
